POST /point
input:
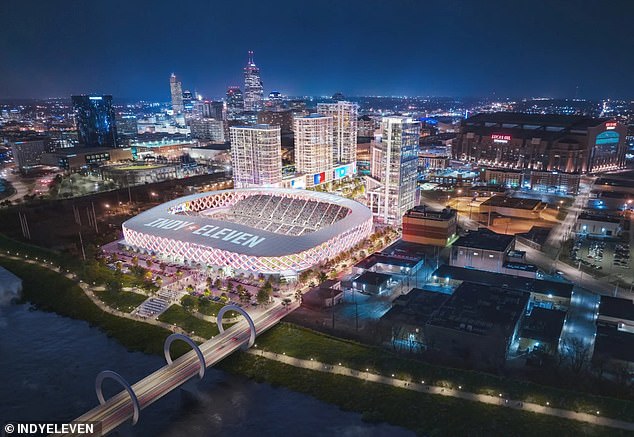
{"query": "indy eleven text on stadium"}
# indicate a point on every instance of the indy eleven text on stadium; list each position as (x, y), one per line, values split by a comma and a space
(226, 234)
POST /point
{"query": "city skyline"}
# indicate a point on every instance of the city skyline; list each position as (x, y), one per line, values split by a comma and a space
(453, 49)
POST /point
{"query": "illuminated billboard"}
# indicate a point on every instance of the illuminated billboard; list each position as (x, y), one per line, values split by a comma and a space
(319, 178)
(500, 138)
(345, 170)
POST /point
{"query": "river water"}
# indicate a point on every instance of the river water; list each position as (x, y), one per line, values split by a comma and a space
(48, 365)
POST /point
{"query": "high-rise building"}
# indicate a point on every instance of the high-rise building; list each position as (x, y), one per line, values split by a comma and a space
(235, 102)
(27, 154)
(313, 148)
(176, 90)
(281, 118)
(211, 109)
(344, 115)
(253, 89)
(256, 155)
(394, 169)
(188, 101)
(208, 129)
(95, 119)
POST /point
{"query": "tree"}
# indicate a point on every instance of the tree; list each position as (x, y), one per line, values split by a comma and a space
(323, 277)
(217, 284)
(135, 261)
(229, 286)
(263, 296)
(113, 286)
(577, 352)
(148, 263)
(189, 302)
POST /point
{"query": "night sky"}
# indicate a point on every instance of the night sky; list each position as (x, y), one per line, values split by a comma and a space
(483, 48)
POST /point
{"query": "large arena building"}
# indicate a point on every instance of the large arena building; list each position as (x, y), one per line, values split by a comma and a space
(259, 230)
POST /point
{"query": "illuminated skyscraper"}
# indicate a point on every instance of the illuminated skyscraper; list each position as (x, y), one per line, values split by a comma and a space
(176, 90)
(213, 109)
(256, 155)
(95, 120)
(313, 148)
(188, 101)
(253, 89)
(394, 167)
(344, 115)
(235, 102)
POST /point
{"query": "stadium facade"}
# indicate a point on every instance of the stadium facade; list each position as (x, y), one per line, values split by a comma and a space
(258, 230)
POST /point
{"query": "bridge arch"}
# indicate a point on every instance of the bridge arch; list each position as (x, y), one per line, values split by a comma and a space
(246, 315)
(168, 357)
(109, 374)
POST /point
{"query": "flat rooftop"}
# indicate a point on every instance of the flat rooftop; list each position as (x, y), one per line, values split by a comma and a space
(416, 307)
(605, 218)
(534, 121)
(530, 285)
(485, 239)
(379, 258)
(543, 325)
(512, 202)
(614, 182)
(79, 150)
(612, 343)
(424, 212)
(481, 309)
(372, 278)
(616, 307)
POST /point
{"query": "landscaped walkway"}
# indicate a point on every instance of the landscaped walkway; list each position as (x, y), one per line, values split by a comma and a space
(89, 290)
(444, 391)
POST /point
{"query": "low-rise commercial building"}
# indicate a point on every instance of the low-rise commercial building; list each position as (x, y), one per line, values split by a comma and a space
(478, 324)
(482, 249)
(75, 158)
(541, 330)
(407, 318)
(544, 293)
(598, 225)
(513, 207)
(422, 225)
(372, 282)
(389, 264)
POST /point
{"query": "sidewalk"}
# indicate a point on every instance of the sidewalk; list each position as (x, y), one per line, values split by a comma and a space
(444, 391)
(90, 292)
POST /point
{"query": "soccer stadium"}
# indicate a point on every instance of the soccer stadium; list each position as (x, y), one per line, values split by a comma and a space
(259, 230)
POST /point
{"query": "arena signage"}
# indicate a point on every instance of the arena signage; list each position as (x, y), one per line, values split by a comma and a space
(210, 231)
(500, 138)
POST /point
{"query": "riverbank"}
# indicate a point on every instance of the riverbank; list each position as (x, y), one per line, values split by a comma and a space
(424, 414)
(52, 291)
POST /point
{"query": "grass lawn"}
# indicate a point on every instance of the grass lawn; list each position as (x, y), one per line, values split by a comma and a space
(211, 308)
(424, 414)
(125, 301)
(177, 314)
(304, 343)
(50, 291)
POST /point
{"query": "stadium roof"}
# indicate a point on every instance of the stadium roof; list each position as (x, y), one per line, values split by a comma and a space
(239, 238)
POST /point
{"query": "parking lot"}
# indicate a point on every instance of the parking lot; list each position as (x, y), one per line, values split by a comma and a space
(606, 257)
